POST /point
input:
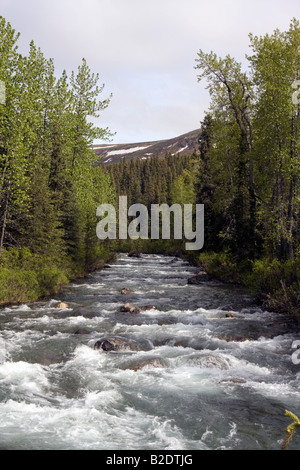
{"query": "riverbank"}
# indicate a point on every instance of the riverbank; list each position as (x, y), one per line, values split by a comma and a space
(27, 277)
(275, 284)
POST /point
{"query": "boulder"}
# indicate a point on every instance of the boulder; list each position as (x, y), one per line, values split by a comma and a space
(82, 331)
(148, 364)
(115, 344)
(126, 291)
(208, 361)
(134, 254)
(61, 305)
(147, 307)
(179, 344)
(201, 277)
(229, 315)
(129, 308)
(241, 337)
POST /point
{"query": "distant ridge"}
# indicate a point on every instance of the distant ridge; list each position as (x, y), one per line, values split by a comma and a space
(185, 144)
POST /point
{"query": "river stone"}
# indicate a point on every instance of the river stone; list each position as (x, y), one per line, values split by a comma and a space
(134, 254)
(208, 361)
(129, 308)
(241, 337)
(62, 305)
(82, 331)
(233, 381)
(201, 277)
(115, 344)
(148, 364)
(126, 291)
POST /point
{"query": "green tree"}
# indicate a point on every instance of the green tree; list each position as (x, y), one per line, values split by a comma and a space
(231, 105)
(275, 66)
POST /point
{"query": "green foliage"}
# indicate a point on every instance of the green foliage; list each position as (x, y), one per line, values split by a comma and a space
(286, 299)
(182, 190)
(275, 63)
(18, 286)
(27, 276)
(49, 185)
(165, 247)
(223, 265)
(150, 181)
(290, 430)
(246, 171)
(277, 283)
(249, 169)
(265, 275)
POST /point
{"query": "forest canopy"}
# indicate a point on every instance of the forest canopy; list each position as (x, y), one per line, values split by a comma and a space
(245, 171)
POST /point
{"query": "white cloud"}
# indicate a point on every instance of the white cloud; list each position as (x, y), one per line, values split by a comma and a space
(145, 51)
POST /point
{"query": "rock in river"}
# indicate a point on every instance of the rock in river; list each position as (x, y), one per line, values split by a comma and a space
(82, 331)
(62, 305)
(147, 307)
(115, 344)
(126, 291)
(148, 364)
(129, 308)
(201, 277)
(208, 361)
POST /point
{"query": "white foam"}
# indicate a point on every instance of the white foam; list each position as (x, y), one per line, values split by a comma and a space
(17, 308)
(24, 377)
(3, 351)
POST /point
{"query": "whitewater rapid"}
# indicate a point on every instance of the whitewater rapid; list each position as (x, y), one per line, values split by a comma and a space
(218, 381)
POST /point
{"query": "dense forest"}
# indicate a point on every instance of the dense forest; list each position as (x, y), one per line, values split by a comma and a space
(246, 172)
(49, 185)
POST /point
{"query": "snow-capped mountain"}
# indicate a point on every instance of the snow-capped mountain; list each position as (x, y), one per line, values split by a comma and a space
(185, 144)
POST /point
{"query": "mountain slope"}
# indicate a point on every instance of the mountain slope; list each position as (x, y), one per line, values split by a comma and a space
(185, 144)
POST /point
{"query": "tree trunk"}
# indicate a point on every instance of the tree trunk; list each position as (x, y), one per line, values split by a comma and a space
(4, 222)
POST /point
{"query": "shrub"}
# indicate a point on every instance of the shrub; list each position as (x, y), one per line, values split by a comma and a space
(51, 279)
(25, 276)
(222, 266)
(18, 285)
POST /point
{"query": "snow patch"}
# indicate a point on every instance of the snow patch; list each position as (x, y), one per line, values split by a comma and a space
(130, 150)
(181, 150)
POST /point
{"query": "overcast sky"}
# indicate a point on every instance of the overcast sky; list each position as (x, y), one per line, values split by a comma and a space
(145, 51)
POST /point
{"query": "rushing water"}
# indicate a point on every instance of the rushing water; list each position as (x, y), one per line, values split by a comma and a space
(218, 382)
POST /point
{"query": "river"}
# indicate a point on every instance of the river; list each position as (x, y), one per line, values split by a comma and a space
(192, 377)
